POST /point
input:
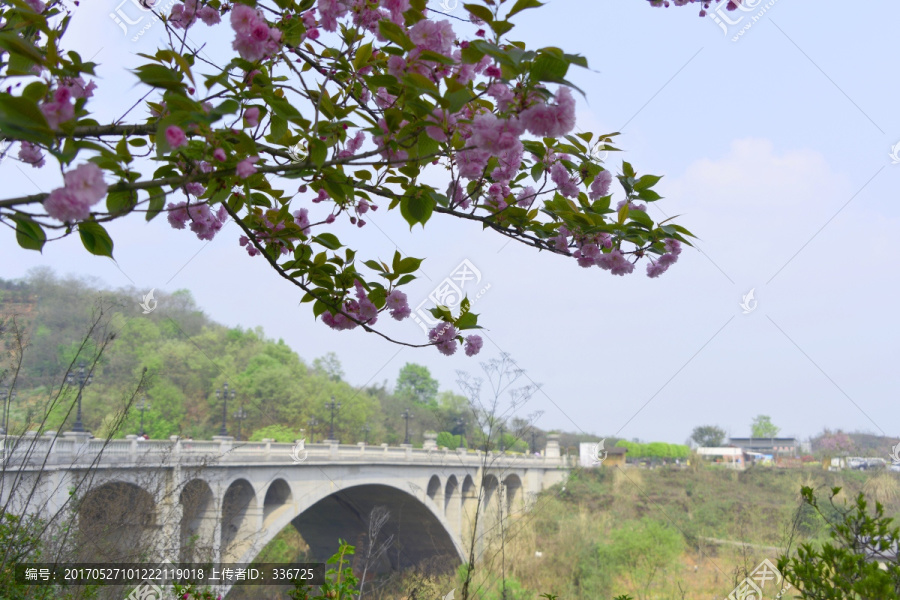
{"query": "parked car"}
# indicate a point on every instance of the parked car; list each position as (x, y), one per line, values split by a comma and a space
(857, 463)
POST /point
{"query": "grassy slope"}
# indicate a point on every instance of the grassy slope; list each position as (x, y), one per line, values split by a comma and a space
(575, 531)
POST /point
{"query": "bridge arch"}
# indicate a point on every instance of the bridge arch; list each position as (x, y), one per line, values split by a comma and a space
(279, 498)
(117, 522)
(240, 519)
(198, 521)
(452, 504)
(512, 485)
(420, 530)
(434, 489)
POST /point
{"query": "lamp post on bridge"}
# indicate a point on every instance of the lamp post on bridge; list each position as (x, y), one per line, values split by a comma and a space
(84, 379)
(502, 449)
(366, 429)
(407, 416)
(142, 406)
(222, 394)
(312, 429)
(240, 414)
(332, 406)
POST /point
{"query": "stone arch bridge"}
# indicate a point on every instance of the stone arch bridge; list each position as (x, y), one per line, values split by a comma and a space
(223, 501)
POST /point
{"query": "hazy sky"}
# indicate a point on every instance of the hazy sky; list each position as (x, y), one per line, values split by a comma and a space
(776, 153)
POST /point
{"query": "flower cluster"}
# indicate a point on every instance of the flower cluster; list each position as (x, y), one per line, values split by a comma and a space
(84, 187)
(362, 309)
(31, 154)
(444, 337)
(205, 223)
(186, 14)
(662, 264)
(60, 109)
(254, 39)
(270, 233)
(704, 4)
(397, 304)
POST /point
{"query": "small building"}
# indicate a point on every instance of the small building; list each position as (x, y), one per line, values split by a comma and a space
(730, 456)
(773, 446)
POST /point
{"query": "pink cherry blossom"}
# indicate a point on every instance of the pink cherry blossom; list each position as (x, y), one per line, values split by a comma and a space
(471, 163)
(615, 262)
(31, 154)
(495, 135)
(184, 15)
(561, 241)
(178, 215)
(526, 197)
(673, 246)
(473, 345)
(209, 15)
(219, 155)
(330, 11)
(194, 188)
(77, 87)
(437, 36)
(547, 120)
(301, 217)
(631, 206)
(86, 183)
(251, 116)
(396, 302)
(175, 136)
(245, 168)
(600, 185)
(60, 109)
(62, 204)
(251, 249)
(566, 185)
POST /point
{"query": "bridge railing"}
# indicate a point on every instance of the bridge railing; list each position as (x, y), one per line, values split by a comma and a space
(81, 449)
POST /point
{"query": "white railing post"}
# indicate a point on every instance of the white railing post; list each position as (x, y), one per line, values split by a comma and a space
(132, 449)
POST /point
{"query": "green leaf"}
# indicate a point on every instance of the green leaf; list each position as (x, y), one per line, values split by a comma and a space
(482, 12)
(548, 68)
(121, 201)
(157, 201)
(467, 320)
(329, 240)
(648, 195)
(29, 234)
(14, 44)
(647, 181)
(641, 217)
(396, 34)
(458, 99)
(159, 76)
(318, 151)
(362, 56)
(20, 118)
(95, 238)
(408, 265)
(416, 209)
(521, 5)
